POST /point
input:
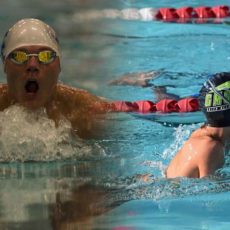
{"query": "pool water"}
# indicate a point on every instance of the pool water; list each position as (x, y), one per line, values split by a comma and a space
(50, 180)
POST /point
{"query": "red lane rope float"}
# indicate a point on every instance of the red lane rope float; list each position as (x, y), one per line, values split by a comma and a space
(187, 13)
(146, 106)
(221, 11)
(167, 14)
(163, 106)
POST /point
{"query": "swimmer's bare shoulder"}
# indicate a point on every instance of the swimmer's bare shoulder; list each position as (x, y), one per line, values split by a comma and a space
(78, 99)
(200, 156)
(81, 108)
(212, 149)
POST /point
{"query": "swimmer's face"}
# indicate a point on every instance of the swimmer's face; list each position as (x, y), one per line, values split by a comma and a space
(32, 84)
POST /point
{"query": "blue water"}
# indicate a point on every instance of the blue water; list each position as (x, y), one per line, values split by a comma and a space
(49, 191)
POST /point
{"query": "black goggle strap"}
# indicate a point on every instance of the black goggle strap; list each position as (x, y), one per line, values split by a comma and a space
(217, 93)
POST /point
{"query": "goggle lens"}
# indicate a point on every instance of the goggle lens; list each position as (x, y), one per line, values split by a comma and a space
(45, 57)
(19, 57)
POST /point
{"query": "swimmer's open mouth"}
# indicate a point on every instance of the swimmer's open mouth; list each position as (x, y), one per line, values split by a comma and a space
(31, 86)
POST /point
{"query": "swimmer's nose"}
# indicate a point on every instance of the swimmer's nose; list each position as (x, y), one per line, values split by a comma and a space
(32, 64)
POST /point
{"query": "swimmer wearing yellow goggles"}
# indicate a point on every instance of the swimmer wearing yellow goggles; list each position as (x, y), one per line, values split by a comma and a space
(21, 57)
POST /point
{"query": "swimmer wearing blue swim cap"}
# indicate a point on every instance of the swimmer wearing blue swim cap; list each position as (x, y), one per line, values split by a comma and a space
(203, 153)
(31, 57)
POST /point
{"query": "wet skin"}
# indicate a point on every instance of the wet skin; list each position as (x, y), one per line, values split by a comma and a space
(202, 154)
(76, 105)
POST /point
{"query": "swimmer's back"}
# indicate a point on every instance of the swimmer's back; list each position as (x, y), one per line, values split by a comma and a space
(191, 160)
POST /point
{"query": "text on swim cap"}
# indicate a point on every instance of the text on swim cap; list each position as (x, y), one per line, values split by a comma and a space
(216, 101)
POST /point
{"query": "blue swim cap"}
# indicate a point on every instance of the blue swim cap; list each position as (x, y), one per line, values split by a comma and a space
(214, 100)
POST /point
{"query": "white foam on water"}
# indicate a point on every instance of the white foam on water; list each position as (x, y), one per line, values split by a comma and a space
(182, 132)
(32, 136)
(156, 166)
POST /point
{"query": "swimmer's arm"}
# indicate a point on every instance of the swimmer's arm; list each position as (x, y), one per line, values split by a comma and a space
(93, 103)
(211, 159)
(136, 79)
(83, 99)
(100, 105)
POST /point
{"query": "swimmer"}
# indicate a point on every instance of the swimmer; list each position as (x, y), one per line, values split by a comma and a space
(136, 79)
(161, 93)
(31, 59)
(203, 153)
(143, 79)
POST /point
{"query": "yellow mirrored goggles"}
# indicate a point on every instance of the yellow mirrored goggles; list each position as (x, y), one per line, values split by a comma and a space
(21, 57)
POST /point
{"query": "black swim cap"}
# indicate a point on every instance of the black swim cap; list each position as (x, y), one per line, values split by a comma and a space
(214, 100)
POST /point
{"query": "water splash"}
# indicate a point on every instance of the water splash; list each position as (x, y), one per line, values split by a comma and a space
(158, 167)
(32, 136)
(182, 132)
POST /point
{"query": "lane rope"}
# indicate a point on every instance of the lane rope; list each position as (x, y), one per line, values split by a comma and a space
(184, 105)
(200, 14)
